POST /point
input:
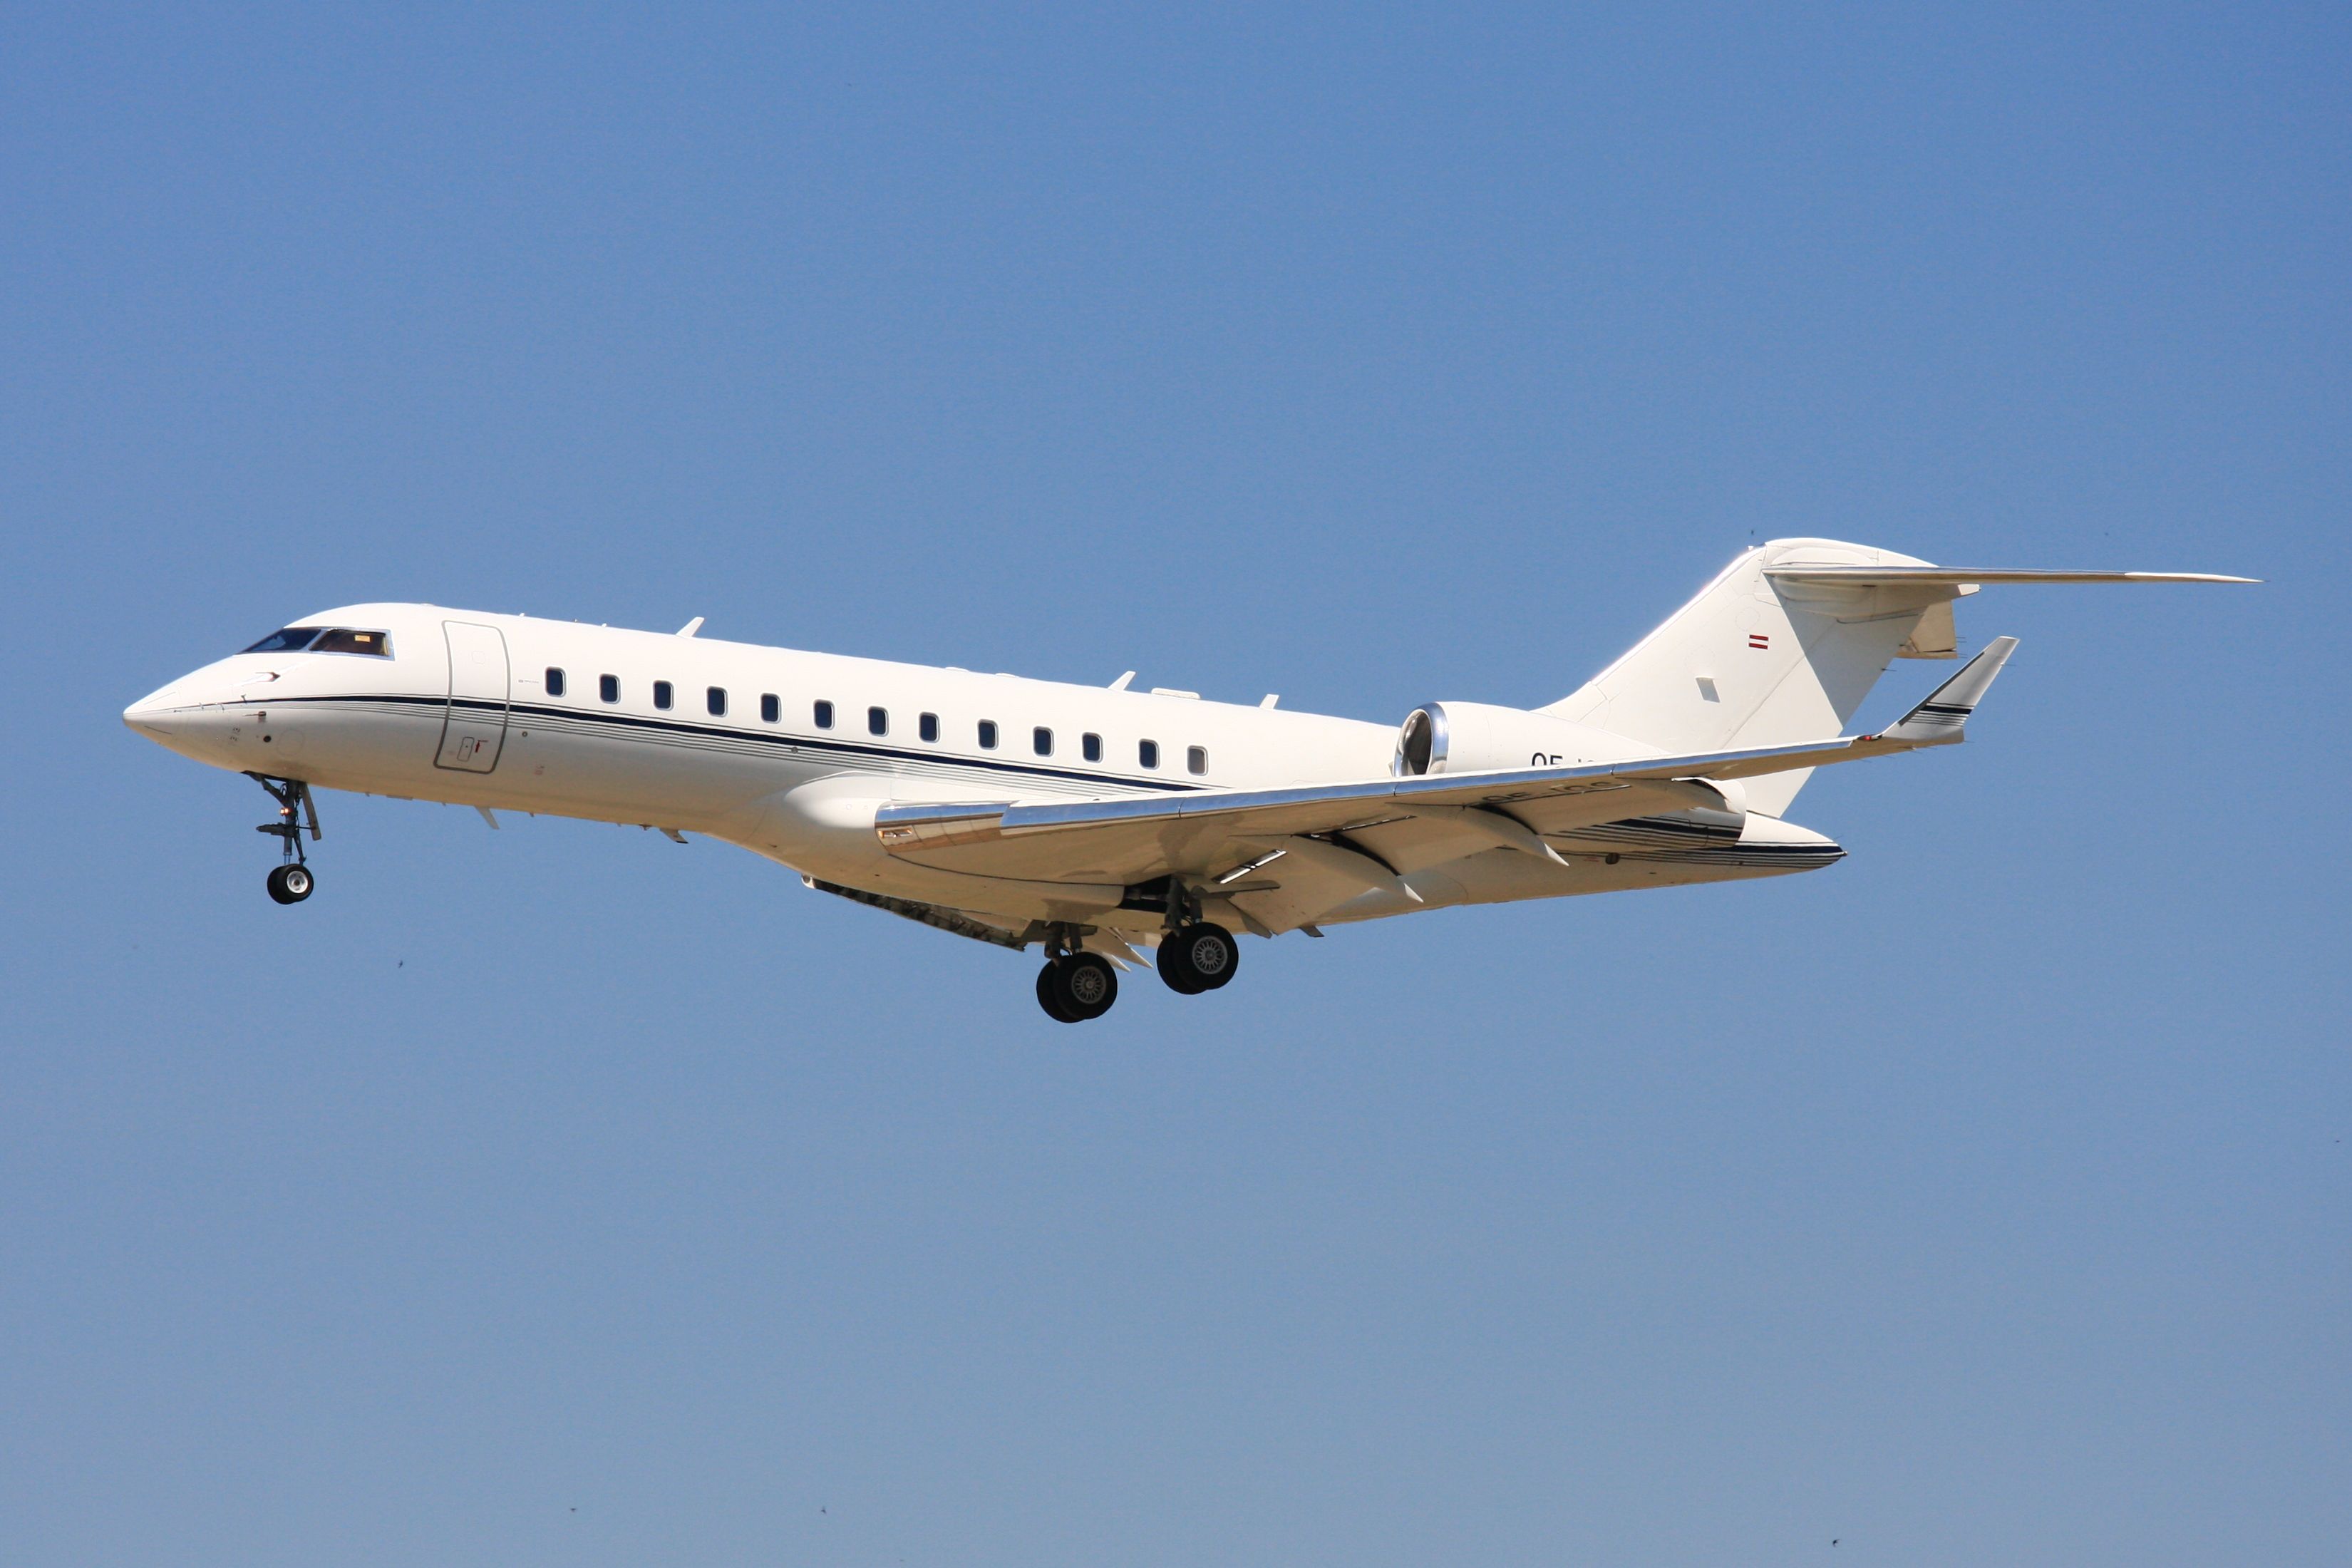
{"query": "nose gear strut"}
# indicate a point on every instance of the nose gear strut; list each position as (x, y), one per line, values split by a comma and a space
(292, 881)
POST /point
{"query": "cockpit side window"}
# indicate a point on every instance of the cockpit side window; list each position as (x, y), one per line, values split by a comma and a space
(342, 639)
(293, 640)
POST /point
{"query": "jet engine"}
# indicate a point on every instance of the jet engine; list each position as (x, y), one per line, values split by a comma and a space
(1479, 737)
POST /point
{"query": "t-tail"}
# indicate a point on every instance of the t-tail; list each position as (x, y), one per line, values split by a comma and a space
(1786, 642)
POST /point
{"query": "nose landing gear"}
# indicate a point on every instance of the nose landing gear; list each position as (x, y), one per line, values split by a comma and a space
(290, 882)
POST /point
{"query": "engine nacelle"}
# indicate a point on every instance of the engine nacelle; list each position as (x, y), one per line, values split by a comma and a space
(1479, 737)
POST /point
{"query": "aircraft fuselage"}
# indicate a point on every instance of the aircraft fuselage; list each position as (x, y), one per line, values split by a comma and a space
(789, 754)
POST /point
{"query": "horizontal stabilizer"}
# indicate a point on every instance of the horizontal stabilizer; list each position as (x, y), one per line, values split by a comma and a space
(1959, 576)
(1941, 715)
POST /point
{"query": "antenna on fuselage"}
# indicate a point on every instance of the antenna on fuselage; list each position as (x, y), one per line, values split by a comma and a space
(690, 627)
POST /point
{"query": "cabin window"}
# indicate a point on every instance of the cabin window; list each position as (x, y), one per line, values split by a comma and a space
(878, 720)
(988, 734)
(1041, 741)
(341, 640)
(293, 640)
(1196, 759)
(608, 687)
(1148, 753)
(1092, 746)
(825, 715)
(928, 726)
(770, 709)
(715, 699)
(554, 682)
(662, 694)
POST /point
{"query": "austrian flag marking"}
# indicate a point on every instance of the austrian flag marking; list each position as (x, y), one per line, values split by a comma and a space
(1760, 639)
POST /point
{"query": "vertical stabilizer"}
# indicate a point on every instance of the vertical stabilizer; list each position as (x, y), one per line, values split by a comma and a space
(1758, 660)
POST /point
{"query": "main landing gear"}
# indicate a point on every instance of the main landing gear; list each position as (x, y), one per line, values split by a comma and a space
(292, 881)
(1198, 956)
(1076, 986)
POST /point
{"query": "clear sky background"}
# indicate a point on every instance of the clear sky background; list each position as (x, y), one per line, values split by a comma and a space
(560, 1195)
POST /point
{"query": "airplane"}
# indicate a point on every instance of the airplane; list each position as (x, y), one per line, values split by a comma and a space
(1096, 822)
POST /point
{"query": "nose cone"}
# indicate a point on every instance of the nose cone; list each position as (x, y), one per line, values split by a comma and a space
(184, 717)
(150, 715)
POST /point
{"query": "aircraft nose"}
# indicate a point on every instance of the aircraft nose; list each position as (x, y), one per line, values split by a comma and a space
(164, 711)
(146, 716)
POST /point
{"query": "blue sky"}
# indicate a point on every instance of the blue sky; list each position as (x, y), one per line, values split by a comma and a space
(560, 1195)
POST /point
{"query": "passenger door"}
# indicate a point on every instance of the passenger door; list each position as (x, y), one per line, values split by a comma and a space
(475, 729)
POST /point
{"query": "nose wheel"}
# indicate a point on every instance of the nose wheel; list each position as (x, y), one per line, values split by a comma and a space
(292, 881)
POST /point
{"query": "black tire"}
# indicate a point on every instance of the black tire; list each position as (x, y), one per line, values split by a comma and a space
(1085, 985)
(1206, 953)
(1049, 993)
(1175, 970)
(291, 884)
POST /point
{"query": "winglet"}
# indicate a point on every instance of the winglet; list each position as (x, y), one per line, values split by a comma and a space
(1942, 715)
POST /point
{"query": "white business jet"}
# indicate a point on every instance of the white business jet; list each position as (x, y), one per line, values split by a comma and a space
(1093, 821)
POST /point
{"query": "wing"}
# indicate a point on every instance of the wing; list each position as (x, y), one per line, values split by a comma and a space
(1305, 842)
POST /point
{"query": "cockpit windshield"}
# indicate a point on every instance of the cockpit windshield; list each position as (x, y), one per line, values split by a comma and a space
(293, 640)
(325, 639)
